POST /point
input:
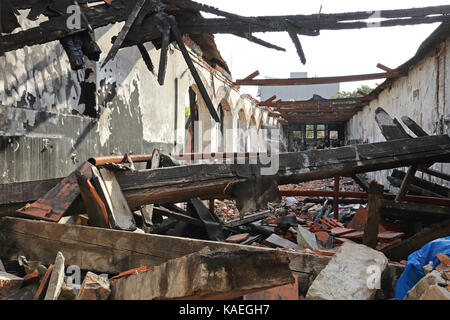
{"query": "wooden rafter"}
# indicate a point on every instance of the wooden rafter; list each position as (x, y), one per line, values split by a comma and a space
(339, 102)
(317, 80)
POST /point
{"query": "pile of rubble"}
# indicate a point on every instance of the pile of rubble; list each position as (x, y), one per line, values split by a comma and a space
(134, 232)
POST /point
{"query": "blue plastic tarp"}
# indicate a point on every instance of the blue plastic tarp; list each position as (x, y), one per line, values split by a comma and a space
(416, 261)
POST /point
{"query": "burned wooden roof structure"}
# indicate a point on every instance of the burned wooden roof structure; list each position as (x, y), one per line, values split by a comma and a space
(164, 22)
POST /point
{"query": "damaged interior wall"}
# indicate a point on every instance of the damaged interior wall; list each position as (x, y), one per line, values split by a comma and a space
(53, 118)
(423, 95)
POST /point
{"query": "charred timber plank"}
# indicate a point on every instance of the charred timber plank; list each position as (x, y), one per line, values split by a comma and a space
(124, 31)
(259, 41)
(56, 28)
(223, 26)
(247, 219)
(406, 183)
(165, 31)
(419, 208)
(20, 192)
(414, 127)
(176, 184)
(178, 216)
(201, 87)
(344, 161)
(146, 57)
(435, 173)
(195, 277)
(294, 37)
(414, 189)
(434, 189)
(57, 202)
(101, 15)
(147, 210)
(389, 129)
(361, 181)
(401, 250)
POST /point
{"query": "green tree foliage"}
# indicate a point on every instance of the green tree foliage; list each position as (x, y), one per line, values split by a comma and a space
(354, 94)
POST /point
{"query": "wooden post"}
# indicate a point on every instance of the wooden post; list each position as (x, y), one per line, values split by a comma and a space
(211, 205)
(373, 214)
(405, 183)
(336, 198)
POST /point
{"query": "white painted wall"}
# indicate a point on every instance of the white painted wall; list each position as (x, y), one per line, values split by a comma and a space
(423, 95)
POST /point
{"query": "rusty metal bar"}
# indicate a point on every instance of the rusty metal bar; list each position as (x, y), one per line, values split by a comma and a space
(100, 161)
(336, 198)
(215, 155)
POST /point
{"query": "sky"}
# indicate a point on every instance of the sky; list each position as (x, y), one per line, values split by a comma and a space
(332, 53)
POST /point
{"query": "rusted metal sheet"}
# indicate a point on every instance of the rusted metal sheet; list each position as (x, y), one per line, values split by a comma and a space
(53, 205)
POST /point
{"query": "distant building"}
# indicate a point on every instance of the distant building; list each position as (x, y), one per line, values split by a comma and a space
(305, 92)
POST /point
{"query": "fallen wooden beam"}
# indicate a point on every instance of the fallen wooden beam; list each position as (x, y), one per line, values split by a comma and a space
(178, 216)
(414, 127)
(57, 201)
(406, 183)
(435, 173)
(413, 189)
(206, 275)
(389, 129)
(403, 249)
(425, 210)
(247, 219)
(178, 184)
(432, 188)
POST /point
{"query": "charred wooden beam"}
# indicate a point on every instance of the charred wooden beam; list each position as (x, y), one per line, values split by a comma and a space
(201, 87)
(124, 31)
(361, 181)
(406, 183)
(389, 129)
(414, 127)
(60, 199)
(164, 28)
(401, 250)
(258, 41)
(101, 15)
(294, 37)
(146, 57)
(413, 189)
(432, 188)
(424, 210)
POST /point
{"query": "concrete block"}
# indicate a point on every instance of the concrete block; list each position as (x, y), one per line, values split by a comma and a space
(94, 287)
(9, 283)
(306, 239)
(354, 273)
(56, 279)
(432, 278)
